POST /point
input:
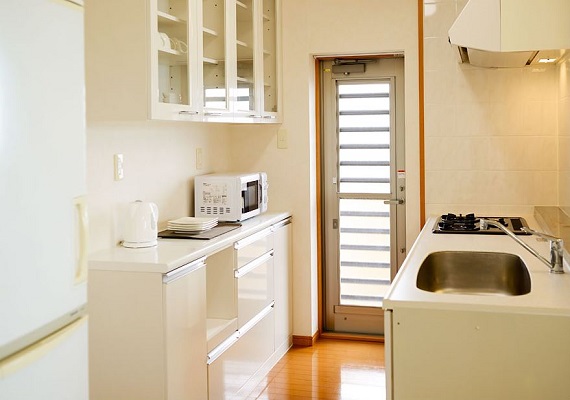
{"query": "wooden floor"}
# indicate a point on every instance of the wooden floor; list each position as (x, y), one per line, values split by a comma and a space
(331, 369)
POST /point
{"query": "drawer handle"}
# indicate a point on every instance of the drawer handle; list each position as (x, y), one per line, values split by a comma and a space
(247, 268)
(281, 224)
(253, 238)
(219, 350)
(252, 322)
(183, 270)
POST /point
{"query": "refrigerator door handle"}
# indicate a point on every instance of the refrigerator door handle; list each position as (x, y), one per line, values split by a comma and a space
(33, 353)
(80, 204)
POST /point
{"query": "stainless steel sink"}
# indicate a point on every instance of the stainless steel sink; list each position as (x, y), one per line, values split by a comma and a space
(474, 273)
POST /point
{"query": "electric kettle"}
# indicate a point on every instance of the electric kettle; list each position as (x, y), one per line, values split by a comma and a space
(141, 225)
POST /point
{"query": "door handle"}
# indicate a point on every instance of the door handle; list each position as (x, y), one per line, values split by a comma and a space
(394, 201)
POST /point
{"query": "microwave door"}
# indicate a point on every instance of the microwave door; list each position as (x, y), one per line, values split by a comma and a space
(250, 200)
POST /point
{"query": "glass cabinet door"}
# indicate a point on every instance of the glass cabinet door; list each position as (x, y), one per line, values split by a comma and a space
(172, 41)
(269, 56)
(215, 89)
(245, 55)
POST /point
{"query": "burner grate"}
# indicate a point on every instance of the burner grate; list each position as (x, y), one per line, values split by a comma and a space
(469, 223)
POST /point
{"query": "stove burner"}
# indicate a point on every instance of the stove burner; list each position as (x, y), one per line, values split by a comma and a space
(469, 223)
(452, 222)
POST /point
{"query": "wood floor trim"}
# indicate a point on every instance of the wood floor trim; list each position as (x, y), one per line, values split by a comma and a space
(305, 341)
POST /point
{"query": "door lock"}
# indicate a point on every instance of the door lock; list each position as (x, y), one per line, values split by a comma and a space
(394, 201)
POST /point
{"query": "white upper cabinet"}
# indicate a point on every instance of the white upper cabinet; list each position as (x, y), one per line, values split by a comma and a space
(173, 64)
(239, 53)
(141, 60)
(195, 60)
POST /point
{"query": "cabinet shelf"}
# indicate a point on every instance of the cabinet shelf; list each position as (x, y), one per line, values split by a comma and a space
(244, 80)
(244, 51)
(171, 52)
(211, 61)
(209, 31)
(241, 5)
(242, 43)
(168, 19)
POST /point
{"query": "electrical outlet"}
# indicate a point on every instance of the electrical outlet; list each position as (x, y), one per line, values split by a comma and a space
(118, 167)
(282, 138)
(199, 158)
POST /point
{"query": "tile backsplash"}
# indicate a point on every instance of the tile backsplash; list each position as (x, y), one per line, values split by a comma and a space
(564, 136)
(491, 135)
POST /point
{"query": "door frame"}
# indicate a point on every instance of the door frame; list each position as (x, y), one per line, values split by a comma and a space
(319, 193)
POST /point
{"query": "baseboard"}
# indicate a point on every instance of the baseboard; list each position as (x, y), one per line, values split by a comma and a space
(305, 341)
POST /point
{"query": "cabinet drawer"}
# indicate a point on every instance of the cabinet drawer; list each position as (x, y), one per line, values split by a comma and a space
(231, 371)
(254, 282)
(253, 247)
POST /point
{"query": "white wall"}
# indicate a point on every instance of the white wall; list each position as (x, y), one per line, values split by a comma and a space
(159, 166)
(490, 134)
(332, 27)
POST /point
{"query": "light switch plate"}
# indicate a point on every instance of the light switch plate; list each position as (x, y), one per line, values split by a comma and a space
(282, 139)
(199, 158)
(118, 167)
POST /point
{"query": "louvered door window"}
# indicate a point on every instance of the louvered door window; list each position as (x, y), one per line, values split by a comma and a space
(364, 182)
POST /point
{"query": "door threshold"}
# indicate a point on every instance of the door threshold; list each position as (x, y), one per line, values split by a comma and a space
(363, 337)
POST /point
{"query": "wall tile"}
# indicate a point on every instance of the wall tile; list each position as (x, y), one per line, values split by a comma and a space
(439, 54)
(506, 118)
(439, 120)
(564, 117)
(438, 88)
(438, 18)
(539, 118)
(491, 134)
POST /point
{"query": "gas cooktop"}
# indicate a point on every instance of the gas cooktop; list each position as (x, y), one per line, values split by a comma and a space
(469, 224)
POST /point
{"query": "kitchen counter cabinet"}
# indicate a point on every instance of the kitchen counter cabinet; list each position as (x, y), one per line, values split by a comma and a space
(141, 60)
(473, 346)
(184, 60)
(164, 320)
(148, 335)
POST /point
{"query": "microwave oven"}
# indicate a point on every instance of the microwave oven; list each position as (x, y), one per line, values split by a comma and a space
(230, 197)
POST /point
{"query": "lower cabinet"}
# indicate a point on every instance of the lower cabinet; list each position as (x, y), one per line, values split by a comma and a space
(283, 275)
(230, 370)
(185, 333)
(210, 329)
(147, 336)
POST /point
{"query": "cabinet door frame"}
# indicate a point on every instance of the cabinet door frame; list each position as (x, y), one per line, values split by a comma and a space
(167, 111)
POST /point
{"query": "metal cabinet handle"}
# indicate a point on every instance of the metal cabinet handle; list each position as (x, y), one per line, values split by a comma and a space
(183, 270)
(394, 201)
(213, 114)
(252, 238)
(247, 268)
(185, 112)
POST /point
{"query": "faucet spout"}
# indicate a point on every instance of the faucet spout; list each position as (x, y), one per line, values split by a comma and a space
(555, 264)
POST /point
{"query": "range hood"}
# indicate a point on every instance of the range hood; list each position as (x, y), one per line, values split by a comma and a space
(512, 33)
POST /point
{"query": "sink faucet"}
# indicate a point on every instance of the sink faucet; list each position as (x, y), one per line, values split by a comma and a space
(556, 245)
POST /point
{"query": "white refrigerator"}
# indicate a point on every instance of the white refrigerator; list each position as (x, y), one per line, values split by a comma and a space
(43, 221)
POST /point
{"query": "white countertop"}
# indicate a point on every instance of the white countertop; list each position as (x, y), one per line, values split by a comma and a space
(170, 254)
(550, 293)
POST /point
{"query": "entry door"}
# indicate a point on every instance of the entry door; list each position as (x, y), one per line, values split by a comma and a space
(364, 187)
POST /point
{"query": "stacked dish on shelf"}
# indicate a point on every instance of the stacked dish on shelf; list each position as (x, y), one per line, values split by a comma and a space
(192, 224)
